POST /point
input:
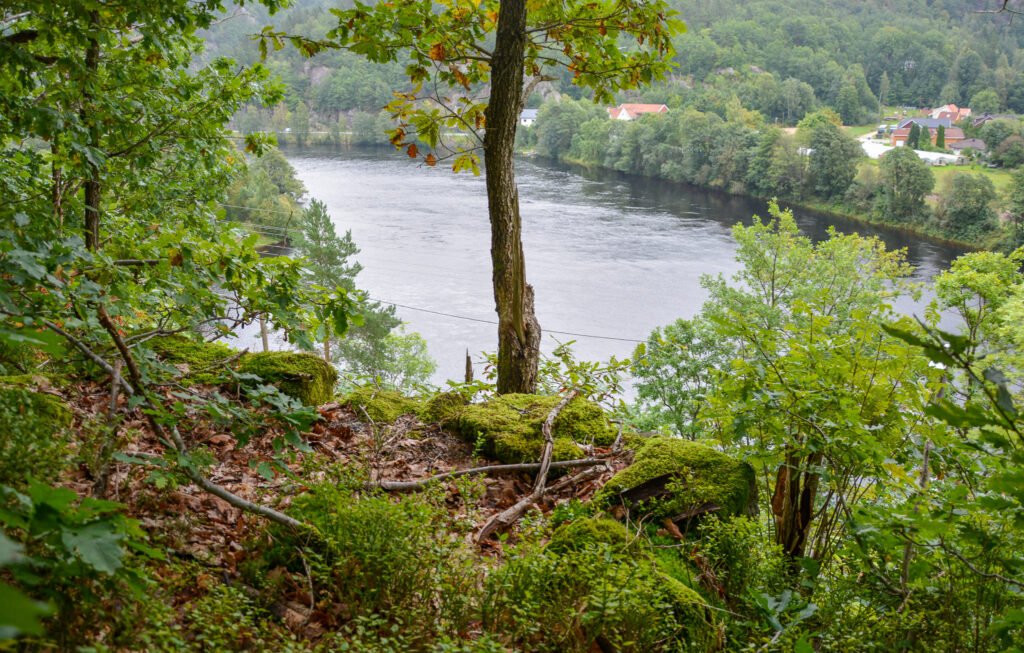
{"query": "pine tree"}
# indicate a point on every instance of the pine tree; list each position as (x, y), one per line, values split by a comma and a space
(940, 137)
(914, 137)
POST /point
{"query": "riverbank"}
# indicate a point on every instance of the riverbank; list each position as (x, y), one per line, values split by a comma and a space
(830, 209)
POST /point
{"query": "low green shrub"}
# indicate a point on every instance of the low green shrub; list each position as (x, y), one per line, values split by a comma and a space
(33, 433)
(592, 598)
(395, 559)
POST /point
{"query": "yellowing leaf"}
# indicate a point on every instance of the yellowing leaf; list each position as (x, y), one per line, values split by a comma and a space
(412, 151)
(430, 160)
(437, 52)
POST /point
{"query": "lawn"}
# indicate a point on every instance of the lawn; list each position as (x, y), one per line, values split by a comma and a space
(1001, 178)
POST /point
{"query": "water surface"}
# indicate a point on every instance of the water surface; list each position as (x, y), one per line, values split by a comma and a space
(608, 255)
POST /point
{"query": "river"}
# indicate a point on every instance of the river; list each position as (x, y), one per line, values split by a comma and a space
(610, 256)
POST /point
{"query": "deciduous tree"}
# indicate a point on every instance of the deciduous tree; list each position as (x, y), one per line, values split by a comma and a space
(469, 66)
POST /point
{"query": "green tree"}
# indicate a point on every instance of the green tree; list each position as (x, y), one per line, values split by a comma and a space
(914, 137)
(675, 371)
(905, 181)
(940, 137)
(1016, 207)
(985, 101)
(833, 160)
(454, 48)
(816, 391)
(966, 208)
(115, 156)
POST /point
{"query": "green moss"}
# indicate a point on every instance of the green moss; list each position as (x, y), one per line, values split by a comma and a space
(384, 406)
(33, 432)
(199, 361)
(305, 377)
(691, 610)
(443, 408)
(700, 475)
(510, 427)
(595, 530)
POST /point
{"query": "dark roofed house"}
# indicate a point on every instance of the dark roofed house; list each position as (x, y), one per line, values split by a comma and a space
(987, 117)
(975, 144)
(930, 123)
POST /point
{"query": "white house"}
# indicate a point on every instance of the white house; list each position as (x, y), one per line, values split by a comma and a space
(528, 117)
(634, 111)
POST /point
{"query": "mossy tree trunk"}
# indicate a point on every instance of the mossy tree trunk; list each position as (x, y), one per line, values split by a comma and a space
(518, 330)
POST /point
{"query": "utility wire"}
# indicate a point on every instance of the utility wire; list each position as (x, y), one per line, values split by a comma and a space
(427, 310)
(477, 319)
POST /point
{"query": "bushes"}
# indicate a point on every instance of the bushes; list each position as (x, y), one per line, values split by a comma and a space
(592, 599)
(395, 559)
(33, 433)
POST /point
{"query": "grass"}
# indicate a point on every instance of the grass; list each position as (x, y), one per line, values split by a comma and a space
(860, 130)
(1001, 178)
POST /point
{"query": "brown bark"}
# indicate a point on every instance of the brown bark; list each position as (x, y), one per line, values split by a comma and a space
(518, 330)
(92, 181)
(796, 489)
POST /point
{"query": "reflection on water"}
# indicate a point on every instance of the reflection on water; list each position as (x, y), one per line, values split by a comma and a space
(607, 254)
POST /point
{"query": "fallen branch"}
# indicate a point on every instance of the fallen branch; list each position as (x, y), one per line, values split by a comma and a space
(404, 486)
(134, 386)
(509, 516)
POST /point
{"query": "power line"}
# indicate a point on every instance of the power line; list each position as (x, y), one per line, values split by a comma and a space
(492, 322)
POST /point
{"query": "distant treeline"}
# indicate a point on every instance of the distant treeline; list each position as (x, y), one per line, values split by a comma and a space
(819, 165)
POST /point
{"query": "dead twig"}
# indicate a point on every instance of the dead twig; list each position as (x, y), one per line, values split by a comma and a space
(509, 516)
(404, 486)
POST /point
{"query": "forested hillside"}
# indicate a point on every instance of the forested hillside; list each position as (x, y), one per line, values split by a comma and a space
(802, 468)
(845, 55)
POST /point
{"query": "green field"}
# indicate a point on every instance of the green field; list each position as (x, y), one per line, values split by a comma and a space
(1001, 178)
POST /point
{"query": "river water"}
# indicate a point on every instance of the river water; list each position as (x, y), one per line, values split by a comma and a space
(608, 255)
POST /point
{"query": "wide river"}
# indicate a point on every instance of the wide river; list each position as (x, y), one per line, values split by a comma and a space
(610, 256)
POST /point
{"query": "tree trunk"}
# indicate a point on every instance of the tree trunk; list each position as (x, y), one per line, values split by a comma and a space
(518, 330)
(92, 180)
(796, 488)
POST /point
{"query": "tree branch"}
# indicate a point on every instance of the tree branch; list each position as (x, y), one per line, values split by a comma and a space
(509, 516)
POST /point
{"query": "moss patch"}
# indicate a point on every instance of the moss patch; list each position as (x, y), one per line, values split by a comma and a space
(383, 406)
(305, 377)
(698, 475)
(596, 530)
(199, 361)
(33, 433)
(692, 610)
(510, 427)
(443, 408)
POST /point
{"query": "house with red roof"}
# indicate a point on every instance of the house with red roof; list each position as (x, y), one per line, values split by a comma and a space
(950, 111)
(634, 111)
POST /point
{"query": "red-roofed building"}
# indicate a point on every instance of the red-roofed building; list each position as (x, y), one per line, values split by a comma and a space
(953, 135)
(950, 111)
(633, 111)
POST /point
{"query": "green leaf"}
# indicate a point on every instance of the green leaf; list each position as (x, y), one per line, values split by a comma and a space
(97, 545)
(20, 614)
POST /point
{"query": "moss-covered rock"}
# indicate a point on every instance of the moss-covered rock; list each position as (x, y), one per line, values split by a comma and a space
(443, 408)
(198, 361)
(381, 405)
(33, 432)
(680, 479)
(305, 377)
(595, 530)
(692, 611)
(510, 427)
